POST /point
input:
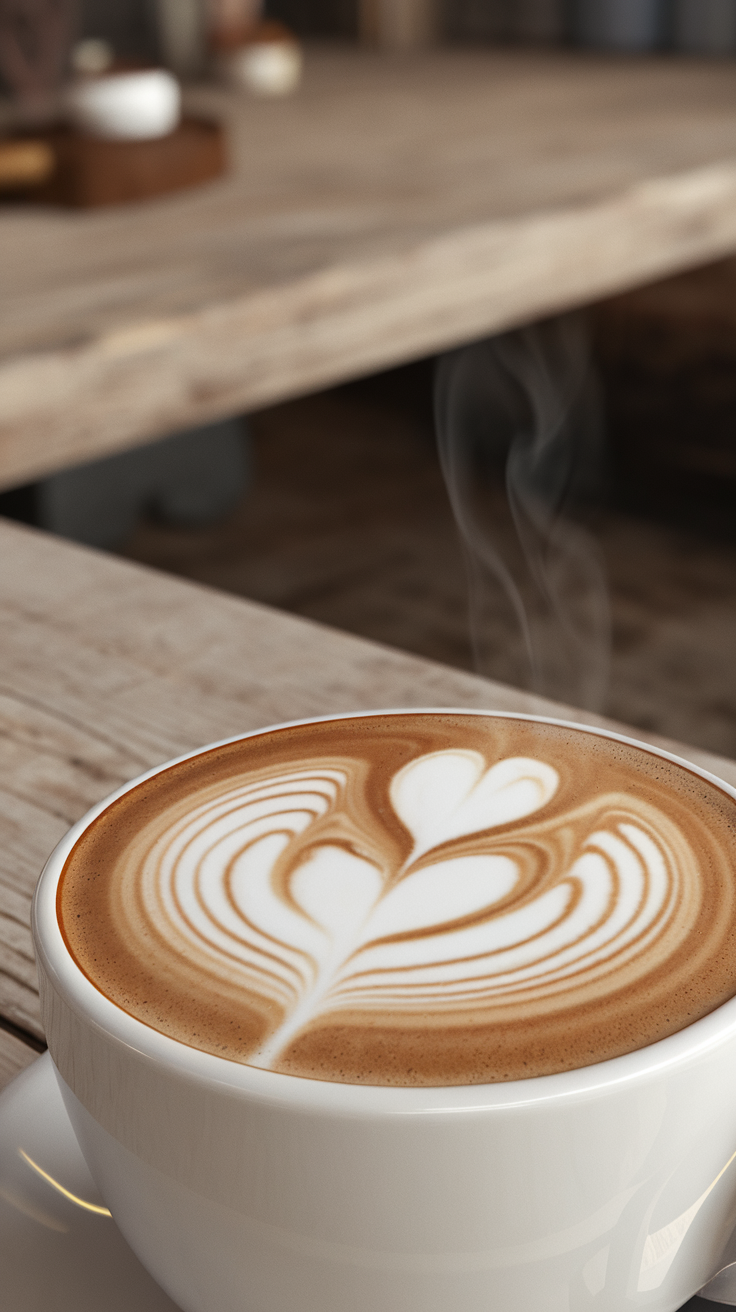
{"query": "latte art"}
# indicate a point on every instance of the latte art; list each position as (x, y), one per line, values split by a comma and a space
(375, 912)
(262, 884)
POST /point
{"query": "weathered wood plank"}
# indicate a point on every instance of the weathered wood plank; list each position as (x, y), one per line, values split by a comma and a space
(394, 208)
(107, 668)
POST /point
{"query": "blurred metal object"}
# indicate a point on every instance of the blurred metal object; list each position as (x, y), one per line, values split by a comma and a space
(181, 29)
(620, 24)
(706, 27)
(399, 24)
(35, 38)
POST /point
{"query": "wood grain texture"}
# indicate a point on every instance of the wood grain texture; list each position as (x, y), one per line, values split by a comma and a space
(107, 668)
(14, 1057)
(395, 207)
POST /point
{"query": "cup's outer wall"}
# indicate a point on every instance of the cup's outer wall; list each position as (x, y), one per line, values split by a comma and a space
(388, 1208)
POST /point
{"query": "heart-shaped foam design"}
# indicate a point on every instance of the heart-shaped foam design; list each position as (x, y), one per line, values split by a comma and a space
(272, 887)
(448, 795)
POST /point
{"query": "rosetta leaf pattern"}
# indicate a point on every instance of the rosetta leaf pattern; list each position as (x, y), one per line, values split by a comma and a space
(483, 892)
(440, 797)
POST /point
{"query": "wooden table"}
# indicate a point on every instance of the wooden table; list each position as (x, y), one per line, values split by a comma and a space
(397, 206)
(107, 669)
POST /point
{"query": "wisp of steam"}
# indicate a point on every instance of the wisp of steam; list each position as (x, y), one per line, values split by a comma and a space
(521, 446)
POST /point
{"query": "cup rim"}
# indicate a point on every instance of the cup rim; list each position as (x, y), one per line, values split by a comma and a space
(119, 1027)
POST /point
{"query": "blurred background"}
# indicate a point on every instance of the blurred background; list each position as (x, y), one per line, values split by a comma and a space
(336, 507)
(705, 25)
(347, 520)
(134, 27)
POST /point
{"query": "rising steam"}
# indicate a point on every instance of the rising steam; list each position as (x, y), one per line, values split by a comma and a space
(520, 444)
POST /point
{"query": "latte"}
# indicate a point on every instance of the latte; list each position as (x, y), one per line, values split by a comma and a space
(411, 899)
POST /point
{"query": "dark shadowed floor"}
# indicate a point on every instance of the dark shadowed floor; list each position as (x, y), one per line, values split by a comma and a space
(347, 522)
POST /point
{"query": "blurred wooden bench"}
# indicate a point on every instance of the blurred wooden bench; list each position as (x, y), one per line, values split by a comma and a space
(397, 206)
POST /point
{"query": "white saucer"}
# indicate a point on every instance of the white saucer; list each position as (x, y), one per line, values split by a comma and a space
(57, 1255)
(60, 1250)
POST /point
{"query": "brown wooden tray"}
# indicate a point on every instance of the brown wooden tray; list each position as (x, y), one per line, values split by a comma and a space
(92, 171)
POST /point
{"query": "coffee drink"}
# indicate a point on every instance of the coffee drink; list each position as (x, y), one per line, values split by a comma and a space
(411, 899)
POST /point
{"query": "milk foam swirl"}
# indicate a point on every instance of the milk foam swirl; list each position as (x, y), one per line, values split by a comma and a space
(373, 911)
(298, 913)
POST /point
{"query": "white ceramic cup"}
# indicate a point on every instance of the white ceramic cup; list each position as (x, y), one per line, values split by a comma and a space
(598, 1190)
(133, 106)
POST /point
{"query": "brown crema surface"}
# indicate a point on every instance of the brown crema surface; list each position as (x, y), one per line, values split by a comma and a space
(621, 914)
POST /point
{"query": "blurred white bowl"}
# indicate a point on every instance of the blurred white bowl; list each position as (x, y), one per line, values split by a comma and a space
(125, 106)
(267, 68)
